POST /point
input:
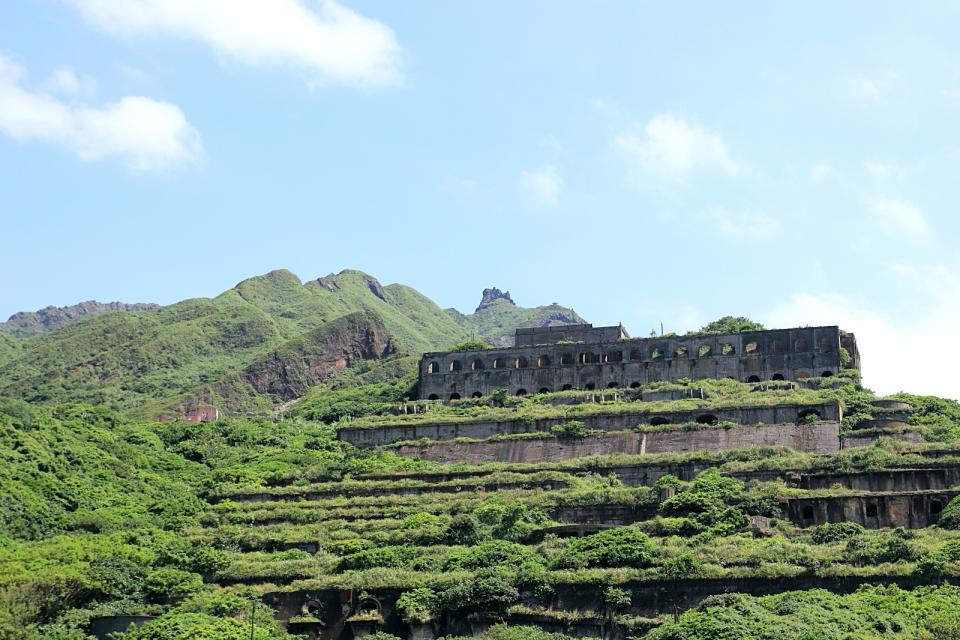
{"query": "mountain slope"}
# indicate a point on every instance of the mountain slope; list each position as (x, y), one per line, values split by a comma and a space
(29, 323)
(261, 343)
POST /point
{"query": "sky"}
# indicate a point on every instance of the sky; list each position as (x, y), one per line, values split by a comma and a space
(642, 163)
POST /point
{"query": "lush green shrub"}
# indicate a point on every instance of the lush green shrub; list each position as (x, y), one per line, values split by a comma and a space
(685, 565)
(950, 516)
(570, 429)
(620, 547)
(835, 532)
(167, 583)
(490, 591)
(491, 554)
(417, 605)
(392, 557)
(463, 530)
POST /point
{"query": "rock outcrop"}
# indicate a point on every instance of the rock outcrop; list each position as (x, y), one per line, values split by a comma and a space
(492, 294)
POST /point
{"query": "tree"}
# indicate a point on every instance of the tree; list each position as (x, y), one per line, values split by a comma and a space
(731, 324)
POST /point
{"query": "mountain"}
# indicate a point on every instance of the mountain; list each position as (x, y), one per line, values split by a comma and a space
(29, 323)
(497, 316)
(258, 345)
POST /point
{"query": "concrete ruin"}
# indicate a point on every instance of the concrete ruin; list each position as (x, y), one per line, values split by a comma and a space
(547, 359)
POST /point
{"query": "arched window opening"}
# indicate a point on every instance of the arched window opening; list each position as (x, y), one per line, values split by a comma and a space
(778, 376)
(566, 387)
(433, 367)
(753, 379)
(433, 396)
(801, 375)
(521, 392)
(703, 351)
(776, 347)
(566, 358)
(454, 396)
(726, 349)
(656, 353)
(499, 363)
(455, 365)
(543, 361)
(807, 513)
(659, 420)
(476, 394)
(826, 374)
(613, 356)
(750, 347)
(824, 344)
(590, 386)
(477, 365)
(520, 363)
(936, 507)
(586, 358)
(800, 344)
(636, 354)
(872, 510)
(634, 385)
(809, 415)
(681, 352)
(707, 418)
(543, 390)
(612, 385)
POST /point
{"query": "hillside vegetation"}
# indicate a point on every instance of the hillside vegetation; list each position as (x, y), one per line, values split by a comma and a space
(253, 347)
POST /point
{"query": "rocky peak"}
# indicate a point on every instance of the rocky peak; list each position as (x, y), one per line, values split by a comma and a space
(493, 294)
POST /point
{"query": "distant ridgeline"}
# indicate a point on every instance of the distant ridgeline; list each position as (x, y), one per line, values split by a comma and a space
(581, 356)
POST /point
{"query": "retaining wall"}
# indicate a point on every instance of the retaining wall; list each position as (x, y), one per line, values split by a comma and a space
(822, 437)
(378, 436)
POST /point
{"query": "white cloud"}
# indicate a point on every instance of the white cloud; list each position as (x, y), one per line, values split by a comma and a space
(543, 185)
(144, 133)
(899, 216)
(881, 170)
(822, 172)
(875, 87)
(671, 148)
(743, 225)
(896, 354)
(65, 80)
(335, 43)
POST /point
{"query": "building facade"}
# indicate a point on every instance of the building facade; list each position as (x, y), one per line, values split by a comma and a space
(584, 357)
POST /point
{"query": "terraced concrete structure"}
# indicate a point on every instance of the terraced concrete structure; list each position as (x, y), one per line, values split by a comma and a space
(585, 357)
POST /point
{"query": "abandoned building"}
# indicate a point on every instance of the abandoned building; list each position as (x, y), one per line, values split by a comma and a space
(547, 359)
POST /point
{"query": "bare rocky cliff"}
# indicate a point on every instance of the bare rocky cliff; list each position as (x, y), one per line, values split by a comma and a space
(289, 371)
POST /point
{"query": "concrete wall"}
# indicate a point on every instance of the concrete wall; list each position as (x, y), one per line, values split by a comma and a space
(821, 437)
(892, 480)
(789, 354)
(387, 433)
(912, 510)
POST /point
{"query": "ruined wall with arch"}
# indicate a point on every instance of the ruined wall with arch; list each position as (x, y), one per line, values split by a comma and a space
(758, 356)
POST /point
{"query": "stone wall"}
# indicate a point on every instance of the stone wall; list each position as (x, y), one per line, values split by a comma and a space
(912, 510)
(787, 354)
(385, 434)
(821, 437)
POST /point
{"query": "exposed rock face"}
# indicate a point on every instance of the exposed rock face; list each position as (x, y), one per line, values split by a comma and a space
(492, 294)
(28, 323)
(289, 371)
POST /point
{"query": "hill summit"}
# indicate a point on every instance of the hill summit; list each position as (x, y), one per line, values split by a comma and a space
(254, 347)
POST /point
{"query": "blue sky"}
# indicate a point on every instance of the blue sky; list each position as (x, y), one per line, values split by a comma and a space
(640, 163)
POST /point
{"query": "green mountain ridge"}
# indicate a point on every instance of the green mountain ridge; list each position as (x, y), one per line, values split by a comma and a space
(258, 345)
